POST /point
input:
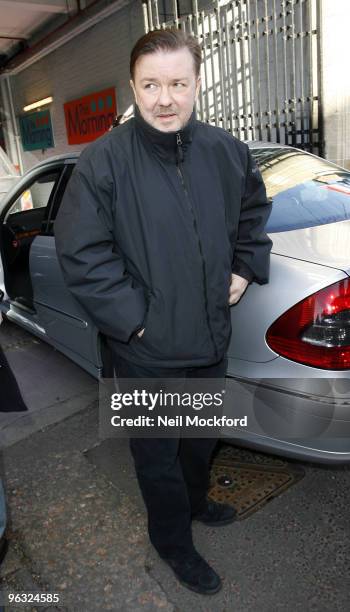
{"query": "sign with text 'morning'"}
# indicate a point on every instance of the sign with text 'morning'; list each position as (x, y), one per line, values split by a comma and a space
(36, 131)
(89, 117)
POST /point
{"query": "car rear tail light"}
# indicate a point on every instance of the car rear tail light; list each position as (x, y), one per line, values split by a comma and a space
(316, 331)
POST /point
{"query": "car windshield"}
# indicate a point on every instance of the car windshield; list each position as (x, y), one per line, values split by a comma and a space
(305, 190)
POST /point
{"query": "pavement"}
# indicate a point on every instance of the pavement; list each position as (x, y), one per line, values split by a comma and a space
(52, 386)
(77, 524)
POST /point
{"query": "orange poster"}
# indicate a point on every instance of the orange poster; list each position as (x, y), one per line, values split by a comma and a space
(89, 117)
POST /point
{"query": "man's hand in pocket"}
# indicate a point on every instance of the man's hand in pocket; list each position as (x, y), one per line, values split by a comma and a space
(237, 288)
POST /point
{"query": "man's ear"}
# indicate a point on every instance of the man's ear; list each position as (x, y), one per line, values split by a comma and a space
(133, 89)
(198, 86)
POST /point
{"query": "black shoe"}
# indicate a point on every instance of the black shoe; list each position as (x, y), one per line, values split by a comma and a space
(193, 572)
(215, 514)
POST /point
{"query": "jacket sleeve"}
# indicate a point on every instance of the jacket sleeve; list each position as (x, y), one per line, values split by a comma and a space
(253, 246)
(92, 268)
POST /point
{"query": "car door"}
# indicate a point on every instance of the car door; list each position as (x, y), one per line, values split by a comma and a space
(66, 324)
(22, 216)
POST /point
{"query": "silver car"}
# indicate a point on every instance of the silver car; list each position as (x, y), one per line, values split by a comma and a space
(289, 356)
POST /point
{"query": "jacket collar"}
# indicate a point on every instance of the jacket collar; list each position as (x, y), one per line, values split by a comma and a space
(165, 144)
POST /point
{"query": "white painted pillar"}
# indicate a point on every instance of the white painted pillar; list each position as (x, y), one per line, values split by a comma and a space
(335, 58)
(12, 138)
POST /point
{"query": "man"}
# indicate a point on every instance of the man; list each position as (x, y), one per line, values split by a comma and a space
(160, 231)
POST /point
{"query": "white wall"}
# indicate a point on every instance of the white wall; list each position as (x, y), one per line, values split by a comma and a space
(96, 59)
(336, 80)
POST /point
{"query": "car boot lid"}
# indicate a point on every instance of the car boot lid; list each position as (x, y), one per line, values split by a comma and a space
(326, 245)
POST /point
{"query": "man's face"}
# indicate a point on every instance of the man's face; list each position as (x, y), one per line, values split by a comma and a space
(165, 87)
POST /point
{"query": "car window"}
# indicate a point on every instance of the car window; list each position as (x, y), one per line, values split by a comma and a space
(58, 198)
(36, 194)
(305, 190)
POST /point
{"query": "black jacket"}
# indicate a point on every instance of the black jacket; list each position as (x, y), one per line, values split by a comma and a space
(150, 228)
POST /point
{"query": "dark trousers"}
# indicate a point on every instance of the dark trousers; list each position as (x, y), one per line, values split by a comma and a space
(173, 473)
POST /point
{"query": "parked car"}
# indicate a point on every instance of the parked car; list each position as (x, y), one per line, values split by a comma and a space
(289, 356)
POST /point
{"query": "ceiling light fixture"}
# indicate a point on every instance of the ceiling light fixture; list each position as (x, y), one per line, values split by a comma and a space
(38, 104)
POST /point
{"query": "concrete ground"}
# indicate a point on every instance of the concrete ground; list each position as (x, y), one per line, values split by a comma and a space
(77, 524)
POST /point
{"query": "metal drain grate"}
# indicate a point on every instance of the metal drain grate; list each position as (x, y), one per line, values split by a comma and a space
(249, 480)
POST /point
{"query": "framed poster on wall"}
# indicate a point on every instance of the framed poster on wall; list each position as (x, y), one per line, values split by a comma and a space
(89, 117)
(36, 131)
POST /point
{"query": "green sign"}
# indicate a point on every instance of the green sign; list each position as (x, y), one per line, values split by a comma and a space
(36, 131)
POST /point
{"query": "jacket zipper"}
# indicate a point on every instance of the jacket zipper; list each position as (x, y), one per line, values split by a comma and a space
(180, 158)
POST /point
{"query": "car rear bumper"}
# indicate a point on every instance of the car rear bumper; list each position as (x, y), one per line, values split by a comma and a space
(295, 422)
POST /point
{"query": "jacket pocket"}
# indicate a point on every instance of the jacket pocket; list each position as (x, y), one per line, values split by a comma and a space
(148, 319)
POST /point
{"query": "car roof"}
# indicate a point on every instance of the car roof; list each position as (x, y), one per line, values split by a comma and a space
(259, 144)
(57, 158)
(73, 156)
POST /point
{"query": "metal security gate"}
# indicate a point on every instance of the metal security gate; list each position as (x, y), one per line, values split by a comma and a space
(260, 72)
